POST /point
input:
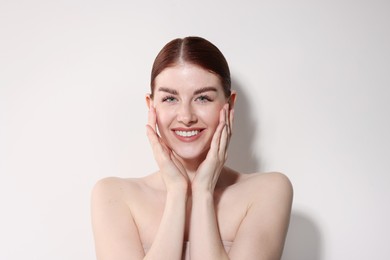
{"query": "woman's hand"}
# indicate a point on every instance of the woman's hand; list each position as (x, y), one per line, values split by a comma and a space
(209, 170)
(172, 171)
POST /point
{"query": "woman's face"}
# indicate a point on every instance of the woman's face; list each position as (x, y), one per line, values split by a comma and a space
(188, 100)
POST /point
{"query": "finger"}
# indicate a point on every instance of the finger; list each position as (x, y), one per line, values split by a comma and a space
(225, 136)
(161, 152)
(178, 164)
(152, 136)
(158, 146)
(214, 147)
(231, 120)
(224, 141)
(152, 118)
(227, 119)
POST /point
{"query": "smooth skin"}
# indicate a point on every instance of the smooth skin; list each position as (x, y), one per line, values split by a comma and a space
(193, 196)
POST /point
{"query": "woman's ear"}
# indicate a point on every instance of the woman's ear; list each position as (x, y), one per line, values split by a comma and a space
(149, 100)
(232, 99)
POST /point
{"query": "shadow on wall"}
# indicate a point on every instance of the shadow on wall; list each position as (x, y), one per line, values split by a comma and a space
(304, 239)
(241, 155)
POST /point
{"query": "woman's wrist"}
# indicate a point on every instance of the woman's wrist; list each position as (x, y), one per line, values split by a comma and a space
(202, 189)
(202, 194)
(175, 193)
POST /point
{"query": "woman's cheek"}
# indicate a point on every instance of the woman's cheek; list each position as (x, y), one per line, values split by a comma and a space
(211, 116)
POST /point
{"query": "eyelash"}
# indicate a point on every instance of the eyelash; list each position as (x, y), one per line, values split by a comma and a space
(168, 99)
(202, 98)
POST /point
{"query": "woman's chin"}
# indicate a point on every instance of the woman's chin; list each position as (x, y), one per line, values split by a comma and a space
(190, 155)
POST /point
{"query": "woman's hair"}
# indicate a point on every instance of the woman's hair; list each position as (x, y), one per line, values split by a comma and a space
(196, 51)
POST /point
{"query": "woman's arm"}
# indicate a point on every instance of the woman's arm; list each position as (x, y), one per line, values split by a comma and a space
(168, 243)
(116, 234)
(206, 242)
(115, 230)
(262, 232)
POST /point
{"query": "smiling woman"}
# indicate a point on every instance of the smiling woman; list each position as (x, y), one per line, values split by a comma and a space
(188, 100)
(192, 207)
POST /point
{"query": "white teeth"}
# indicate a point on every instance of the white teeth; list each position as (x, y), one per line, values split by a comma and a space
(187, 133)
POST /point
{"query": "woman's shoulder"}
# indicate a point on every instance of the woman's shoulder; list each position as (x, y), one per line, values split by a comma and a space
(262, 183)
(116, 184)
(117, 187)
(270, 179)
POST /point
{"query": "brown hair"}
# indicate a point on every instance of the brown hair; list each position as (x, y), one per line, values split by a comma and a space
(194, 50)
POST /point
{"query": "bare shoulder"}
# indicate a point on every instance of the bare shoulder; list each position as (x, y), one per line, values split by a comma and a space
(267, 198)
(255, 179)
(271, 180)
(265, 185)
(113, 219)
(261, 205)
(114, 188)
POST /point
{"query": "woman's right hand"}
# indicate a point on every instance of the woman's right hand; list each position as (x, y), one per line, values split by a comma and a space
(171, 170)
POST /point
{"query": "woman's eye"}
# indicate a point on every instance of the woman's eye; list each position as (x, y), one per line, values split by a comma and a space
(169, 99)
(203, 99)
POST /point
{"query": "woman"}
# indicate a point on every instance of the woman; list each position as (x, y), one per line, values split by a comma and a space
(193, 207)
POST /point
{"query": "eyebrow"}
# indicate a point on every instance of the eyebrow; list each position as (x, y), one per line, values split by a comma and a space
(205, 89)
(196, 92)
(168, 90)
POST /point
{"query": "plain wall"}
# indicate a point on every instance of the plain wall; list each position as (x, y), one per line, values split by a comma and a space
(313, 84)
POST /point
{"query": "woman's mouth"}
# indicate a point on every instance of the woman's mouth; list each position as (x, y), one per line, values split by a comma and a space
(188, 135)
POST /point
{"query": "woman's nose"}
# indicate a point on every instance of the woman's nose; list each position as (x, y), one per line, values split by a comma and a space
(186, 115)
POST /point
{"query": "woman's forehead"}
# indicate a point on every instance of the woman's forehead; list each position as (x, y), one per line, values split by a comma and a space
(187, 77)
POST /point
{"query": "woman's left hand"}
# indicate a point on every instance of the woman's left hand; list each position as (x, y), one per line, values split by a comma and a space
(209, 170)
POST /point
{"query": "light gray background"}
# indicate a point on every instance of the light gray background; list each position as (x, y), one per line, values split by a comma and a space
(313, 84)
